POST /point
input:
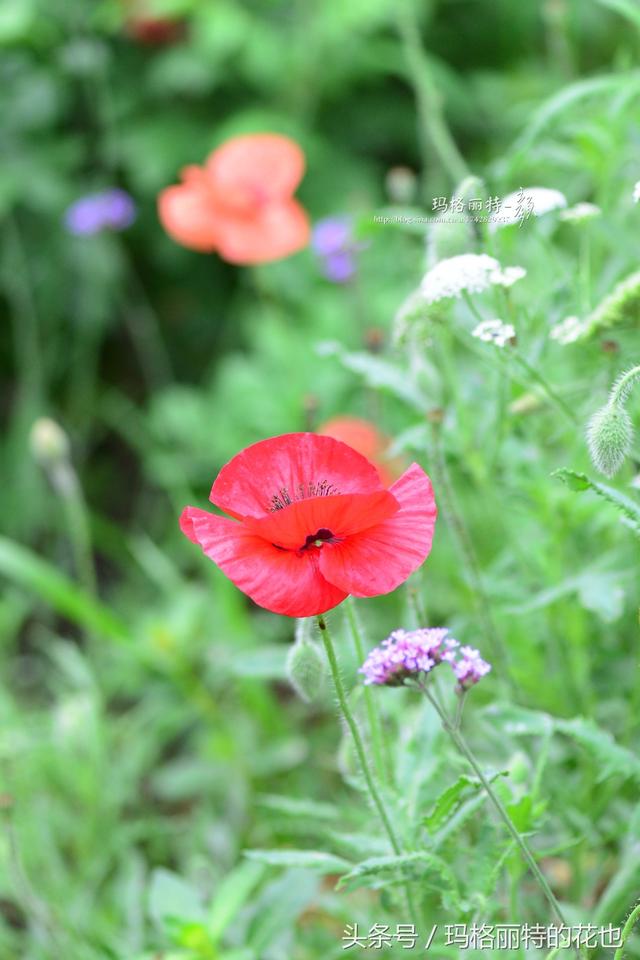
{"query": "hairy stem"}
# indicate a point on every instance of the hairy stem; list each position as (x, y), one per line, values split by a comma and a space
(350, 720)
(626, 930)
(465, 750)
(622, 386)
(380, 757)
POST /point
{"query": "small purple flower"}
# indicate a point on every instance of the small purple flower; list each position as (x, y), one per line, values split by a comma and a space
(332, 241)
(111, 209)
(408, 653)
(470, 667)
(403, 654)
(339, 267)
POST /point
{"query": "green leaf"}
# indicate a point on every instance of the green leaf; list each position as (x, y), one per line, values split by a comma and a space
(451, 799)
(278, 906)
(627, 507)
(517, 721)
(172, 898)
(521, 812)
(448, 802)
(568, 96)
(626, 8)
(21, 566)
(231, 896)
(293, 807)
(430, 869)
(378, 374)
(613, 760)
(307, 859)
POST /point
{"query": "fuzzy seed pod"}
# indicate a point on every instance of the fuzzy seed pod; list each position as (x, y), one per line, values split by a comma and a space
(305, 669)
(609, 436)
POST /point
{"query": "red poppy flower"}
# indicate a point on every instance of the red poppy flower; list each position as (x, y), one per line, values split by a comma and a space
(367, 440)
(312, 523)
(143, 26)
(240, 204)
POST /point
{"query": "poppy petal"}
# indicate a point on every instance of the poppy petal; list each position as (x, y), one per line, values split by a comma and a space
(342, 515)
(267, 162)
(279, 580)
(275, 472)
(378, 560)
(187, 214)
(367, 440)
(273, 231)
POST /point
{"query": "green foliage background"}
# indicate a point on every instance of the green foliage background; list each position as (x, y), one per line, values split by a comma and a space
(148, 735)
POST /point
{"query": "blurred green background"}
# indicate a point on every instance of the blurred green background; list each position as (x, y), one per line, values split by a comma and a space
(146, 724)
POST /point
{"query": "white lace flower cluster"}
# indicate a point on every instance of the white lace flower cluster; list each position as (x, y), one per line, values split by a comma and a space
(567, 331)
(527, 201)
(580, 212)
(466, 273)
(495, 331)
(636, 192)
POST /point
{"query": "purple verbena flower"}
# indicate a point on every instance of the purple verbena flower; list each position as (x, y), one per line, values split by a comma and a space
(403, 654)
(110, 209)
(339, 267)
(332, 241)
(470, 667)
(409, 653)
(331, 235)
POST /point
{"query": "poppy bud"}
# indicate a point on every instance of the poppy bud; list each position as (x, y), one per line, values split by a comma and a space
(305, 669)
(49, 443)
(401, 184)
(609, 436)
(519, 768)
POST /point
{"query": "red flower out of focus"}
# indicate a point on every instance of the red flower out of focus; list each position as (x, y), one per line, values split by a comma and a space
(367, 440)
(142, 25)
(240, 204)
(312, 523)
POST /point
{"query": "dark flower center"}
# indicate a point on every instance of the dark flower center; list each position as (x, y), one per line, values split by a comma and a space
(318, 538)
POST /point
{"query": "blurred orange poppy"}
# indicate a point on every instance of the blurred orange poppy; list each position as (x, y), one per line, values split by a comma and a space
(367, 440)
(240, 203)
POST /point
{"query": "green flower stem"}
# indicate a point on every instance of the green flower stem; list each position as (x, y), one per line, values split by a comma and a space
(623, 384)
(66, 484)
(464, 749)
(146, 332)
(530, 370)
(380, 756)
(350, 720)
(584, 261)
(554, 397)
(465, 544)
(433, 129)
(626, 931)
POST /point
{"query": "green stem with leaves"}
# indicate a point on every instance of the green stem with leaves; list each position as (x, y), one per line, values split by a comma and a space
(454, 732)
(434, 132)
(459, 529)
(351, 723)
